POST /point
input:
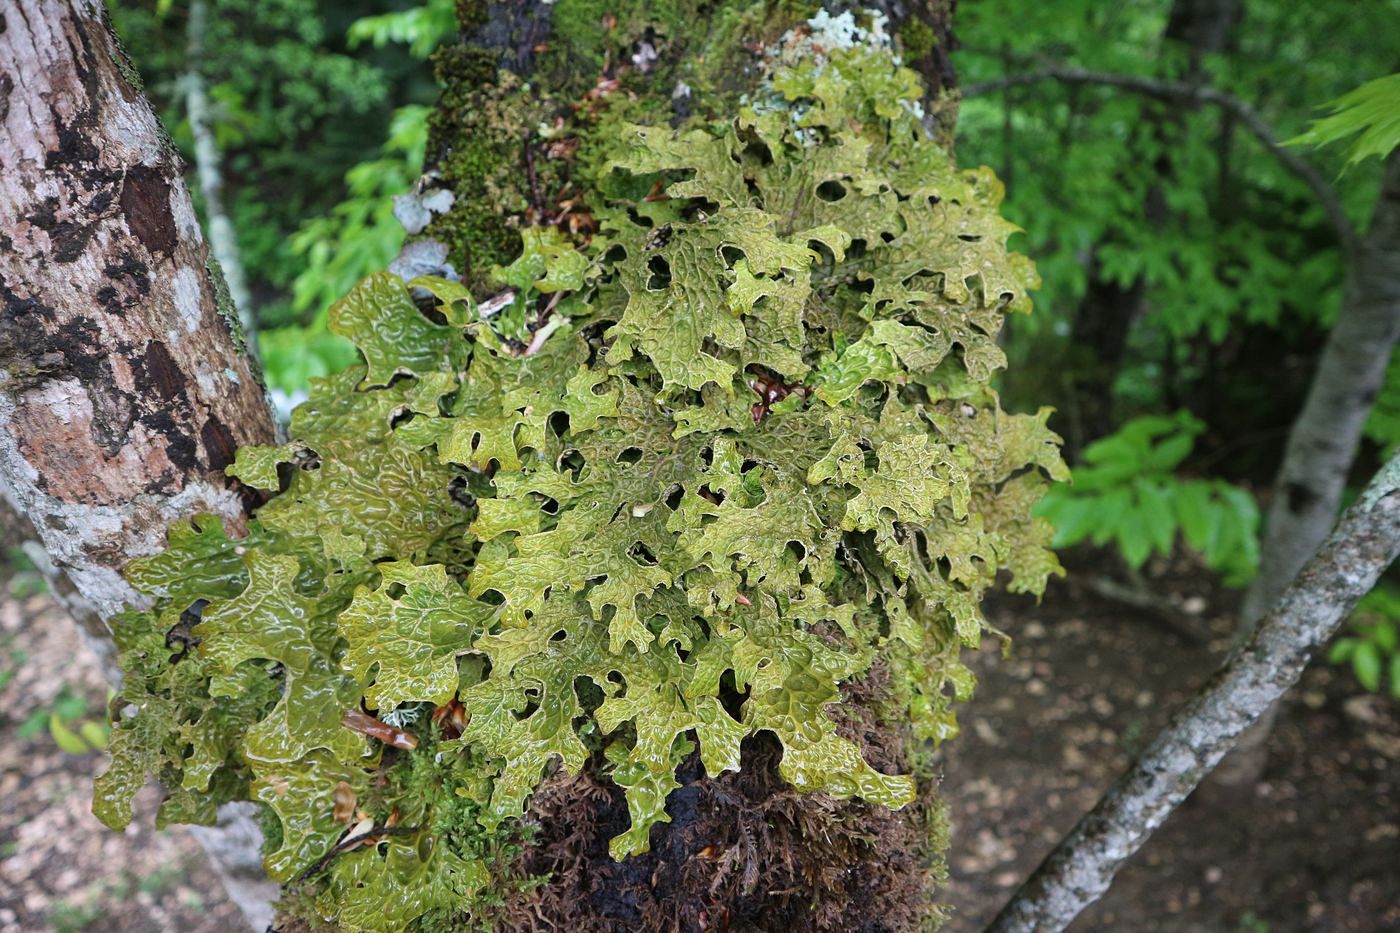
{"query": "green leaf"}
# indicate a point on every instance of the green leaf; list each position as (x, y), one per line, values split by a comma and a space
(65, 738)
(1385, 635)
(1372, 110)
(1154, 511)
(1134, 541)
(1342, 650)
(1366, 663)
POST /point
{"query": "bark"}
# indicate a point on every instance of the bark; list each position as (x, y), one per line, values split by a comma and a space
(123, 389)
(1308, 613)
(1323, 440)
(209, 161)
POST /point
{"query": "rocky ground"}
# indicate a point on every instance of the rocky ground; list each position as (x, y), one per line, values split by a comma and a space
(1315, 847)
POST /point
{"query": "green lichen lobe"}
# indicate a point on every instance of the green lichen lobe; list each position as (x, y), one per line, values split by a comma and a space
(720, 457)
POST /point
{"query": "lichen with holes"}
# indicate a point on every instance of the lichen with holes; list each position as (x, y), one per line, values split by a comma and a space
(734, 449)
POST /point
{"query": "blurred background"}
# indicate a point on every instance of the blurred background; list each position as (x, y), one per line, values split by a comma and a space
(1190, 277)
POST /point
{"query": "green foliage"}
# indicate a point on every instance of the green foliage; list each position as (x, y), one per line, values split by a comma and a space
(1128, 495)
(1372, 110)
(301, 121)
(21, 578)
(67, 719)
(1221, 259)
(421, 28)
(716, 462)
(1373, 646)
(356, 237)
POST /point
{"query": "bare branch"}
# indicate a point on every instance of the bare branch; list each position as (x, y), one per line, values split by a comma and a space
(1177, 90)
(1082, 866)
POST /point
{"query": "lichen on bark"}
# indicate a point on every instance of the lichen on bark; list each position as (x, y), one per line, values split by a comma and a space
(694, 522)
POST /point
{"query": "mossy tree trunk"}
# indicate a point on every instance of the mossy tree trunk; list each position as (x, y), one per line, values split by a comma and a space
(743, 851)
(124, 388)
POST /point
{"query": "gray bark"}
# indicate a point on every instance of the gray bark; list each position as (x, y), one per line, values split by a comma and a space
(123, 389)
(1308, 613)
(1323, 440)
(208, 163)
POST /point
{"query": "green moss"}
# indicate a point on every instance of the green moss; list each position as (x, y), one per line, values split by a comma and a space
(223, 303)
(917, 38)
(480, 132)
(472, 15)
(487, 117)
(125, 68)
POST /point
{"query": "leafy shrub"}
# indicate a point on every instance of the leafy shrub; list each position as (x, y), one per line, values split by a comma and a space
(718, 462)
(1373, 647)
(1127, 494)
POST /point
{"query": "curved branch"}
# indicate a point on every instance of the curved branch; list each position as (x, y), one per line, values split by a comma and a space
(1177, 90)
(1082, 866)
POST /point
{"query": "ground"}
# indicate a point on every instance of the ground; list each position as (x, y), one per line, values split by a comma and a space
(1314, 847)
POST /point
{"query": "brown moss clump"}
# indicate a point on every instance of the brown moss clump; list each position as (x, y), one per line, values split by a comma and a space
(742, 852)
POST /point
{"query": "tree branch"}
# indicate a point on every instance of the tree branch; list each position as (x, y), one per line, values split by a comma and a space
(1177, 90)
(1082, 866)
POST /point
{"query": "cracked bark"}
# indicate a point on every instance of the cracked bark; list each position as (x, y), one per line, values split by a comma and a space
(123, 389)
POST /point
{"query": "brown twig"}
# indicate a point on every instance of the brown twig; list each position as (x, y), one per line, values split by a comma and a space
(350, 842)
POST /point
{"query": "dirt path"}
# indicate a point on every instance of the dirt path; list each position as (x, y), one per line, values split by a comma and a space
(1315, 847)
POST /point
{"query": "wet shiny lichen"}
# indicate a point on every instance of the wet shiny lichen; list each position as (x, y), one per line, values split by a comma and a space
(716, 490)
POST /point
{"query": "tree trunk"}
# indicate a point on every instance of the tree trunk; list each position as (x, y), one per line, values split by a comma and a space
(1307, 614)
(809, 861)
(208, 163)
(1324, 438)
(124, 391)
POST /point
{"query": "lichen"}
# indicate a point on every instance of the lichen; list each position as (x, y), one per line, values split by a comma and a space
(721, 490)
(490, 136)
